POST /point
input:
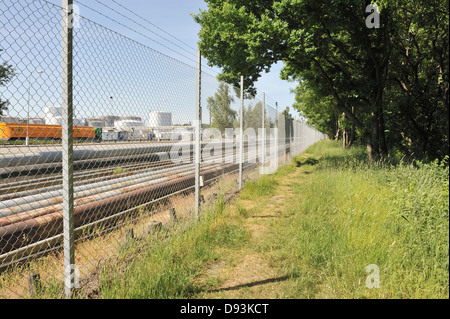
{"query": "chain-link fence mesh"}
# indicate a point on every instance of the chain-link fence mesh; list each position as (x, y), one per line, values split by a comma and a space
(134, 122)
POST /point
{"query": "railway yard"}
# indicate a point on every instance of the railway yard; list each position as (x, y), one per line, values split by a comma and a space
(111, 180)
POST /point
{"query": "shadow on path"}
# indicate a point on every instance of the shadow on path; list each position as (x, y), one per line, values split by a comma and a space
(252, 284)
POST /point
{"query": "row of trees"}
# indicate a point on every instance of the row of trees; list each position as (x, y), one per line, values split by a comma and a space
(386, 87)
(222, 115)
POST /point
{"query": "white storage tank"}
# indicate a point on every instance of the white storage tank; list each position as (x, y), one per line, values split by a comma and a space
(132, 129)
(130, 118)
(59, 121)
(53, 116)
(53, 111)
(53, 120)
(10, 119)
(159, 119)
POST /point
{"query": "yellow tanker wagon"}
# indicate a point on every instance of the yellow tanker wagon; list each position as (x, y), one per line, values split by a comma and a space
(13, 131)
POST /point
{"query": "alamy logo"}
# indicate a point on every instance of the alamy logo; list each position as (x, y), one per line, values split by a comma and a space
(74, 16)
(72, 275)
(373, 280)
(224, 148)
(373, 19)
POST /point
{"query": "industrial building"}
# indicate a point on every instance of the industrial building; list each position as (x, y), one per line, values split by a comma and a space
(158, 121)
(16, 120)
(10, 119)
(109, 120)
(53, 116)
(35, 120)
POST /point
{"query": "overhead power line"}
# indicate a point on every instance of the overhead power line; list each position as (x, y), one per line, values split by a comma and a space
(154, 25)
(131, 29)
(194, 53)
(142, 26)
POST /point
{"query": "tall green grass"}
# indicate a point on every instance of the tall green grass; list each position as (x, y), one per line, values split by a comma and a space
(354, 213)
(341, 213)
(168, 269)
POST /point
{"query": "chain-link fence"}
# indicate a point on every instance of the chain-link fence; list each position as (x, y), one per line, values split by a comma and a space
(102, 139)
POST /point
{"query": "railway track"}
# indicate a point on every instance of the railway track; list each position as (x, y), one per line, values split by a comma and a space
(31, 220)
(12, 188)
(52, 167)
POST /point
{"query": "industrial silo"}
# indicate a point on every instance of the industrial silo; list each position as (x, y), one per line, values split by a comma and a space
(53, 116)
(127, 124)
(159, 120)
(95, 122)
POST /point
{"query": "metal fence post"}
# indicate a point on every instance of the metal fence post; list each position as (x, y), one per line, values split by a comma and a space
(67, 145)
(277, 151)
(263, 137)
(198, 134)
(241, 134)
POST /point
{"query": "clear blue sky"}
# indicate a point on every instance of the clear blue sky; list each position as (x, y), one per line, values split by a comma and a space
(30, 34)
(174, 17)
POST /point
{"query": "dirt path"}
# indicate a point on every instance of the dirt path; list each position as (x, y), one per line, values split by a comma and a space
(250, 271)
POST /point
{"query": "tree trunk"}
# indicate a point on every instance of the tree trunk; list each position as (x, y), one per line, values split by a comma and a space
(338, 130)
(373, 142)
(382, 128)
(344, 133)
(352, 135)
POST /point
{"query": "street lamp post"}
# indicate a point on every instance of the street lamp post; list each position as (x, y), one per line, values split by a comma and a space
(27, 141)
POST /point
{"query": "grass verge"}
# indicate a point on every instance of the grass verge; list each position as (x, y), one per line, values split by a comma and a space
(167, 264)
(309, 231)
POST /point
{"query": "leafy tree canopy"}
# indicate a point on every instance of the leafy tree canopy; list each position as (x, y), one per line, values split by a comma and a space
(370, 74)
(7, 72)
(219, 107)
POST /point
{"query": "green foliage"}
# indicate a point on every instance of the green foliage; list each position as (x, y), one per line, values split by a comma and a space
(319, 110)
(169, 268)
(355, 213)
(333, 219)
(391, 82)
(219, 106)
(7, 72)
(261, 188)
(417, 102)
(119, 171)
(309, 160)
(253, 117)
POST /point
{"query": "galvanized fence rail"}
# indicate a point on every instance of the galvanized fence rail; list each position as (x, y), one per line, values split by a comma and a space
(102, 138)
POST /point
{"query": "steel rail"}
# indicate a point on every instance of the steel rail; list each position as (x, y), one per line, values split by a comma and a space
(54, 157)
(128, 198)
(40, 200)
(88, 154)
(50, 224)
(90, 193)
(50, 244)
(93, 176)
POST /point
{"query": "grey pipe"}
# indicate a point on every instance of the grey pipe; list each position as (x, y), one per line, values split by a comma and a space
(19, 205)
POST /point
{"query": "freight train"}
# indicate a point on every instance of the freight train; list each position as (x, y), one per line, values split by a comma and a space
(18, 131)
